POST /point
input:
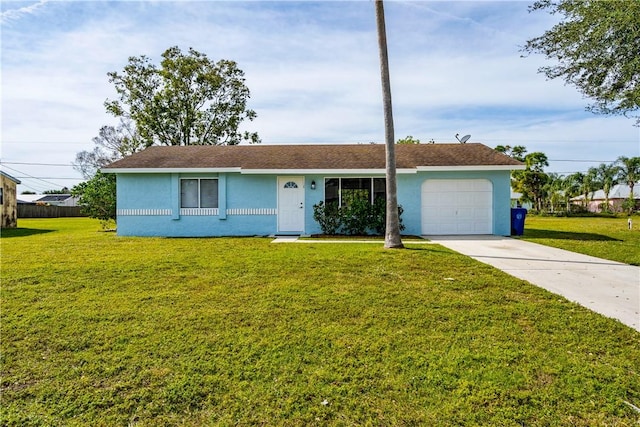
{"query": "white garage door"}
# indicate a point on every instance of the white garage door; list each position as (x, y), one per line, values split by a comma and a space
(457, 206)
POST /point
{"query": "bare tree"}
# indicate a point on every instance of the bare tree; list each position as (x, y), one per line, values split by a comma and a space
(392, 239)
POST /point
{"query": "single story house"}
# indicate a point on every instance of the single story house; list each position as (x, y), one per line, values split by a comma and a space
(247, 190)
(48, 199)
(8, 200)
(58, 200)
(617, 195)
(28, 199)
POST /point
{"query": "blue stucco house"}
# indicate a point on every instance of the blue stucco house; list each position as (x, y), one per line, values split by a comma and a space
(248, 190)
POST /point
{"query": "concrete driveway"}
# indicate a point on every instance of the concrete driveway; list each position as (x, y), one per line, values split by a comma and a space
(606, 287)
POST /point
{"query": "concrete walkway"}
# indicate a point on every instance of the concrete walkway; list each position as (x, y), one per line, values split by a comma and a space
(606, 287)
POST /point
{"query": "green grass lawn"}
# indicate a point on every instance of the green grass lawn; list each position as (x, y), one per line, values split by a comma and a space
(104, 330)
(607, 238)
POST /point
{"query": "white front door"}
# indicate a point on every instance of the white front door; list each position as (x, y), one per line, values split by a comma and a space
(457, 206)
(291, 204)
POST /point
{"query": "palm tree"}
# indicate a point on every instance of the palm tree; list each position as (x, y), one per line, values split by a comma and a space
(590, 184)
(607, 175)
(392, 237)
(553, 190)
(572, 187)
(629, 171)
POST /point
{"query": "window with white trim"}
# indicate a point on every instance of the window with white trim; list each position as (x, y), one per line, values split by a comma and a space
(343, 190)
(198, 193)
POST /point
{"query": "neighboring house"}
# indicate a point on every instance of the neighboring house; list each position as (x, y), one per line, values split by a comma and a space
(58, 200)
(28, 199)
(617, 195)
(8, 200)
(516, 201)
(246, 190)
(48, 199)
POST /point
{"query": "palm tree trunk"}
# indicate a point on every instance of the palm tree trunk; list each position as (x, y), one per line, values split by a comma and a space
(392, 239)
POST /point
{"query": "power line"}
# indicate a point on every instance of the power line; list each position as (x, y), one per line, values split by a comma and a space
(47, 177)
(582, 161)
(45, 142)
(31, 188)
(38, 164)
(33, 177)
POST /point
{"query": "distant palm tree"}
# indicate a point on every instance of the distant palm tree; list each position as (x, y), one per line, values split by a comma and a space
(607, 175)
(554, 190)
(572, 187)
(392, 237)
(629, 171)
(590, 184)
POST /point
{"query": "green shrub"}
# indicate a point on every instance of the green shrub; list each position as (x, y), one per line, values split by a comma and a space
(328, 216)
(379, 216)
(358, 217)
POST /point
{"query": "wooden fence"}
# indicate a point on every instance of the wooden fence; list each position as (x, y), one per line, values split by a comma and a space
(37, 211)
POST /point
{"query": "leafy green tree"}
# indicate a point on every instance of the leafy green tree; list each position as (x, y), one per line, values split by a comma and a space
(408, 140)
(188, 100)
(392, 237)
(596, 47)
(97, 196)
(531, 182)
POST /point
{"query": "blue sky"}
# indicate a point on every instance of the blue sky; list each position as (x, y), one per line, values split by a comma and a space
(313, 72)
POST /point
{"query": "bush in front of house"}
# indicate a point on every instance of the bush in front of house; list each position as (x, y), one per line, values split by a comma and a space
(328, 216)
(379, 216)
(359, 217)
(356, 216)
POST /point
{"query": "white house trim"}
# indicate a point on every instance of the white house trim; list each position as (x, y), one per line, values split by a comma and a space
(143, 212)
(252, 211)
(470, 168)
(323, 171)
(198, 211)
(256, 171)
(170, 170)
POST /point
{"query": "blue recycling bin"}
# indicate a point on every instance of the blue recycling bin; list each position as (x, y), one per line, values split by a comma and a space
(517, 221)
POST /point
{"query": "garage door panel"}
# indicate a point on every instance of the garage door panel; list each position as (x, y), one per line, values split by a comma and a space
(465, 228)
(480, 199)
(457, 206)
(481, 185)
(460, 199)
(481, 214)
(464, 214)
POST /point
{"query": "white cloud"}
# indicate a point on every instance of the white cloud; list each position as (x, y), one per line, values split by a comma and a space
(15, 14)
(312, 68)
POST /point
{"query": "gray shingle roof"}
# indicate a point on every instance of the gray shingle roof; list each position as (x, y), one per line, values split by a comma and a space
(312, 157)
(6, 175)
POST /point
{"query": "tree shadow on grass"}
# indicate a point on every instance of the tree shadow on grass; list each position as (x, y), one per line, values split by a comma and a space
(22, 232)
(568, 235)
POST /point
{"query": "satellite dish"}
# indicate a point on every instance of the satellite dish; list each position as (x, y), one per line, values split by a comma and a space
(463, 139)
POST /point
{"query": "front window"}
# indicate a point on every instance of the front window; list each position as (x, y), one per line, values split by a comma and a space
(198, 193)
(345, 190)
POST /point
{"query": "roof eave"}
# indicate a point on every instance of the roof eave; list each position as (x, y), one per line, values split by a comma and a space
(324, 171)
(169, 170)
(255, 171)
(470, 168)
